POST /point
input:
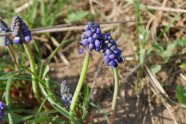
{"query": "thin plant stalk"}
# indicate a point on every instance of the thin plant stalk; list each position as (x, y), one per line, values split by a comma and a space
(79, 85)
(33, 69)
(8, 102)
(114, 99)
(12, 54)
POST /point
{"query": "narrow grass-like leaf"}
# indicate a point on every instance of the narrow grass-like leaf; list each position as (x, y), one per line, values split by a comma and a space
(8, 101)
(57, 49)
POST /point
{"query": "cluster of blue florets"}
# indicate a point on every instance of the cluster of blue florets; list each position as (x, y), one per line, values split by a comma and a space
(66, 95)
(110, 51)
(2, 108)
(3, 29)
(92, 38)
(20, 30)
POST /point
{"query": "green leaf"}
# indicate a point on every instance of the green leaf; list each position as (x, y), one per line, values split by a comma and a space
(76, 16)
(8, 101)
(181, 94)
(142, 55)
(168, 52)
(157, 47)
(182, 42)
(155, 68)
(171, 46)
(183, 65)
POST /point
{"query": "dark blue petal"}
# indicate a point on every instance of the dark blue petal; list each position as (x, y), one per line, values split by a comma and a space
(119, 59)
(84, 42)
(80, 51)
(112, 56)
(97, 43)
(27, 38)
(91, 46)
(107, 59)
(113, 63)
(16, 40)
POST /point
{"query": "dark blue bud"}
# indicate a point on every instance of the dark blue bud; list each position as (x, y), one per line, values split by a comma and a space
(107, 58)
(86, 27)
(16, 40)
(117, 51)
(113, 47)
(97, 49)
(2, 108)
(95, 35)
(92, 30)
(108, 52)
(113, 63)
(98, 30)
(84, 42)
(27, 38)
(97, 43)
(90, 39)
(112, 56)
(119, 59)
(91, 46)
(80, 51)
(88, 33)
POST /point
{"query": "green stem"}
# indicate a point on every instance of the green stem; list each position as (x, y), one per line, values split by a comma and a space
(114, 99)
(79, 85)
(8, 102)
(33, 69)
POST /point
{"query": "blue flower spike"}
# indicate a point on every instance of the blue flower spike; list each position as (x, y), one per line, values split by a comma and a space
(4, 41)
(66, 95)
(111, 53)
(20, 31)
(2, 108)
(91, 37)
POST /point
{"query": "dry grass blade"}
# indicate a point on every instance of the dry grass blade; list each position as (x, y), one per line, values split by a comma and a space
(62, 56)
(24, 6)
(159, 91)
(67, 27)
(155, 83)
(164, 9)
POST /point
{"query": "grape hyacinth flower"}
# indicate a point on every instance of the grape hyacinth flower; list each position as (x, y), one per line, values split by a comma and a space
(66, 95)
(91, 37)
(20, 30)
(2, 108)
(111, 53)
(4, 41)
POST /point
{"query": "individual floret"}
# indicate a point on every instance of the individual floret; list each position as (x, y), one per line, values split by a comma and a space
(4, 41)
(111, 53)
(92, 37)
(20, 30)
(66, 95)
(2, 108)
